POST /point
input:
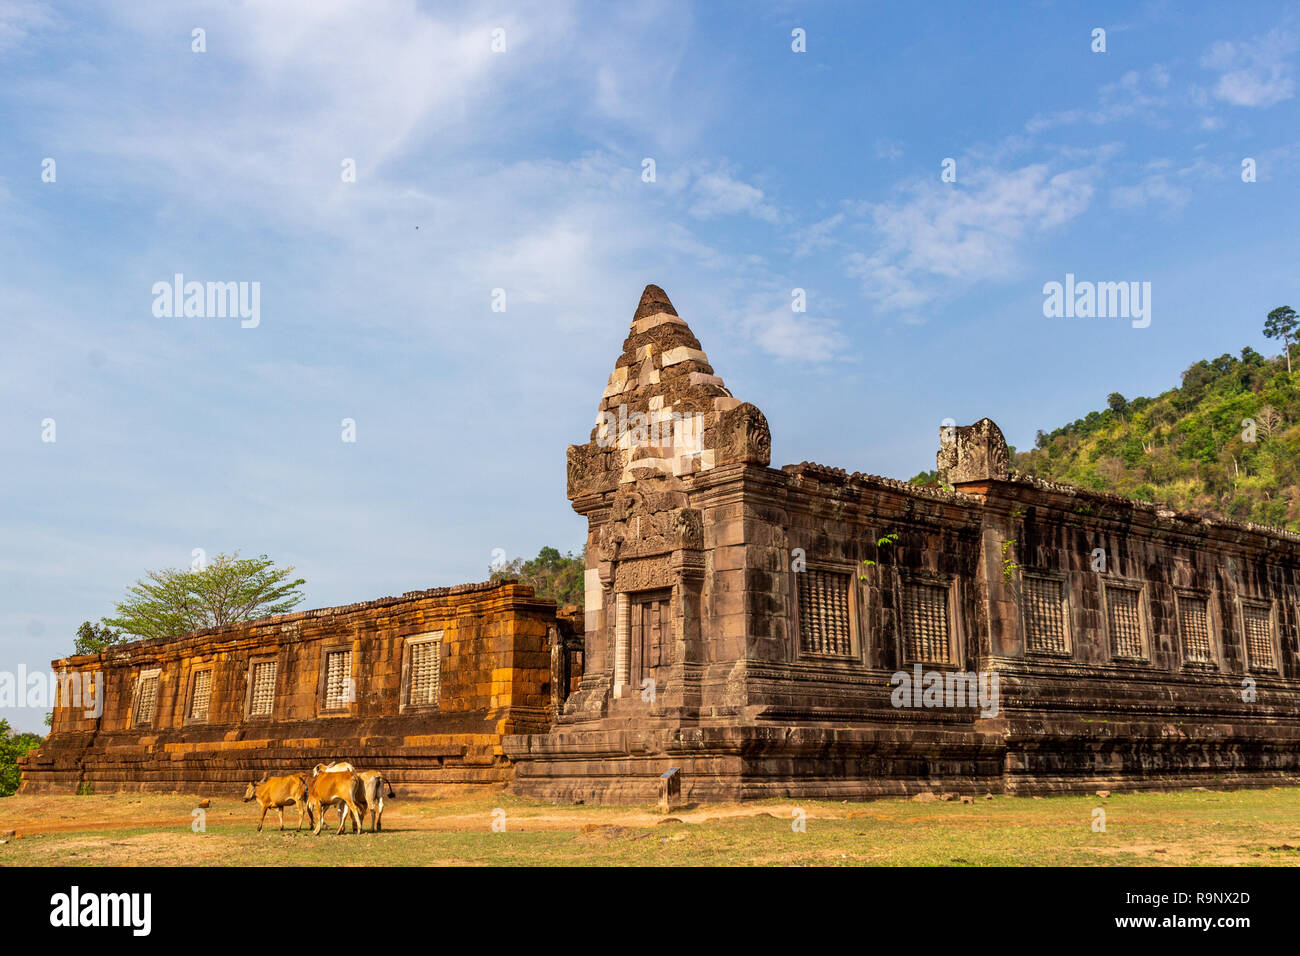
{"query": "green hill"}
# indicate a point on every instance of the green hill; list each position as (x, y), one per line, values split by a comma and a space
(1226, 442)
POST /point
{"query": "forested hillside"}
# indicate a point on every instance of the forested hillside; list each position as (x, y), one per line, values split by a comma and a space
(1226, 442)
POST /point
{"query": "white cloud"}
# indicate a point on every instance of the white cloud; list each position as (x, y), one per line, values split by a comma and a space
(940, 234)
(1166, 185)
(717, 194)
(19, 19)
(816, 237)
(888, 149)
(1137, 94)
(1153, 190)
(435, 122)
(1253, 73)
(787, 334)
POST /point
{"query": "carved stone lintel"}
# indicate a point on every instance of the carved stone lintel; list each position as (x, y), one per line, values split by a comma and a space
(642, 574)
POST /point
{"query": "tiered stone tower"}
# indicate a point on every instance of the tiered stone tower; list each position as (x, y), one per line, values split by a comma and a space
(667, 432)
(665, 422)
(664, 412)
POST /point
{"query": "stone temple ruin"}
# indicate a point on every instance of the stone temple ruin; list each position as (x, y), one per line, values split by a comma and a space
(764, 632)
(424, 685)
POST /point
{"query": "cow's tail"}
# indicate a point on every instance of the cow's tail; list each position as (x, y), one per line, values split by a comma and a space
(390, 788)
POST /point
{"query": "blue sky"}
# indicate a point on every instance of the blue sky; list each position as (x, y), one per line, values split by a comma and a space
(522, 170)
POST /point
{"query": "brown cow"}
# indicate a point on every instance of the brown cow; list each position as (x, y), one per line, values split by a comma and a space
(279, 792)
(342, 789)
(376, 787)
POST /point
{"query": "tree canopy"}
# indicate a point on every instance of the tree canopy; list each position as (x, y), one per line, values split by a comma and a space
(551, 574)
(228, 590)
(13, 746)
(1283, 323)
(93, 638)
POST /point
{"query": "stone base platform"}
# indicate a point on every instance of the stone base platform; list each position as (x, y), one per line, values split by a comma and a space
(736, 763)
(223, 764)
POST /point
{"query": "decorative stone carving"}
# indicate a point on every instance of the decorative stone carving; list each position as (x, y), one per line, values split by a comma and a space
(590, 470)
(971, 453)
(643, 574)
(742, 435)
(687, 529)
(626, 504)
(610, 542)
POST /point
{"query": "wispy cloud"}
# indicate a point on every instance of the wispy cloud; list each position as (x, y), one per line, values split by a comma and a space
(889, 149)
(1254, 73)
(19, 19)
(794, 336)
(939, 234)
(1167, 185)
(1138, 94)
(718, 193)
(815, 238)
(1154, 189)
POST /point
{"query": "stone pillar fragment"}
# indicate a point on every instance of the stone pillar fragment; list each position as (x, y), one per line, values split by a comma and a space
(972, 454)
(622, 644)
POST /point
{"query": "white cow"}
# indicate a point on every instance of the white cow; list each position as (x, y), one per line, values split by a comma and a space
(375, 784)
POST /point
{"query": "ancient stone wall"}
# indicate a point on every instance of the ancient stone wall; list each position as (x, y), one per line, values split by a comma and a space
(749, 626)
(795, 632)
(422, 686)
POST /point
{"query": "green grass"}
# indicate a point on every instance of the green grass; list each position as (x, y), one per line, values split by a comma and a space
(1258, 827)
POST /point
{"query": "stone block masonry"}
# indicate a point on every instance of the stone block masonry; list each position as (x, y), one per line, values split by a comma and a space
(746, 625)
(423, 686)
(750, 627)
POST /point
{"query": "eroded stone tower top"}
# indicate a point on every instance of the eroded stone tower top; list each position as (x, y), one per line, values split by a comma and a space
(972, 453)
(664, 412)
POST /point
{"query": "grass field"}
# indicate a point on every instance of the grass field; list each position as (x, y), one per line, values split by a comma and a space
(1247, 827)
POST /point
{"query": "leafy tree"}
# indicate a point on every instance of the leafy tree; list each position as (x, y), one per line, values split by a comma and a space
(1196, 379)
(13, 746)
(551, 574)
(93, 638)
(230, 589)
(1283, 323)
